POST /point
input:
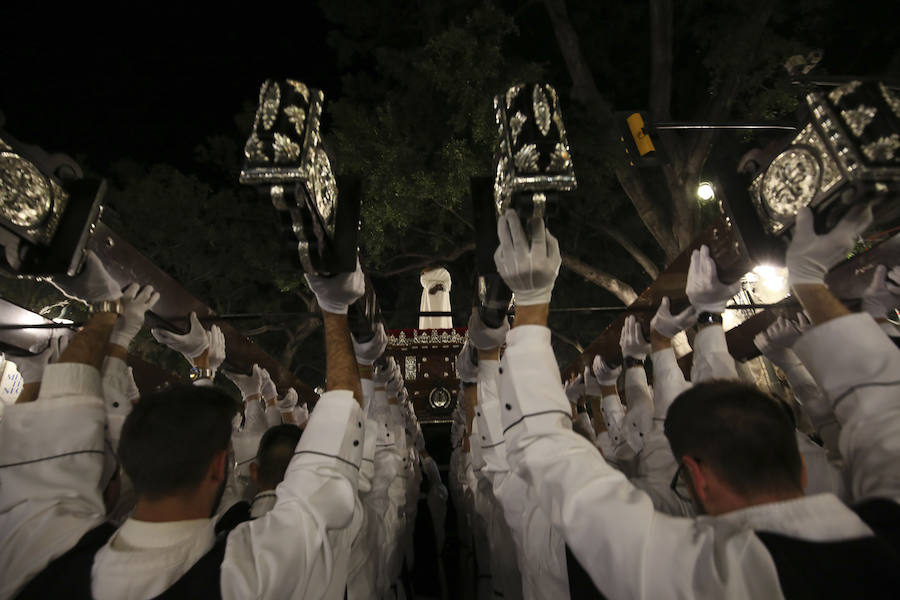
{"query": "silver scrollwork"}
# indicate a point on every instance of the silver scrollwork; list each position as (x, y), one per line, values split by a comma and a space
(837, 94)
(286, 151)
(883, 149)
(297, 117)
(269, 106)
(541, 107)
(516, 122)
(527, 158)
(791, 181)
(859, 118)
(25, 194)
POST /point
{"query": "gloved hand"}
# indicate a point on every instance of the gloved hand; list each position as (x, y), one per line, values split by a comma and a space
(31, 368)
(529, 270)
(403, 396)
(632, 340)
(465, 365)
(249, 385)
(368, 352)
(777, 341)
(668, 325)
(703, 289)
(482, 336)
(809, 256)
(575, 390)
(883, 294)
(394, 385)
(591, 385)
(92, 284)
(336, 293)
(191, 344)
(136, 301)
(267, 386)
(604, 373)
(288, 402)
(216, 354)
(381, 375)
(301, 415)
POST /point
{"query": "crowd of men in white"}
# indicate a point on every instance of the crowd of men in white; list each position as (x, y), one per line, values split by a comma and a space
(701, 488)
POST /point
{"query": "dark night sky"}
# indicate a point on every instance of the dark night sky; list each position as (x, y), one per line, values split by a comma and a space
(149, 84)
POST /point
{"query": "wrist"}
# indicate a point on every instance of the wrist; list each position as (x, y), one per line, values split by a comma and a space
(532, 314)
(707, 318)
(491, 354)
(658, 341)
(634, 361)
(201, 361)
(116, 351)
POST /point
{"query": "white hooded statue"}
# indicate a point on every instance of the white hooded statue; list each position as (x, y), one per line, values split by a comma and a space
(435, 298)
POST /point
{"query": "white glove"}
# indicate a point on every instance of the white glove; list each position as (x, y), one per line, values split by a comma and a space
(381, 375)
(632, 339)
(368, 352)
(703, 289)
(668, 325)
(216, 354)
(529, 270)
(92, 284)
(604, 373)
(883, 294)
(191, 344)
(267, 386)
(465, 366)
(809, 256)
(301, 415)
(591, 385)
(288, 402)
(336, 293)
(249, 385)
(482, 336)
(394, 385)
(575, 390)
(136, 301)
(777, 341)
(31, 368)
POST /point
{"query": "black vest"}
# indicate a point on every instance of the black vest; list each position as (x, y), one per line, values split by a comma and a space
(69, 576)
(867, 567)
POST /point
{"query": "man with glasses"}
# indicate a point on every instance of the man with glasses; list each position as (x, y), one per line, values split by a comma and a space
(760, 537)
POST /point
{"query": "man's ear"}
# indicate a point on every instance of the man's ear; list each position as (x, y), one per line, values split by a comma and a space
(698, 478)
(254, 472)
(217, 466)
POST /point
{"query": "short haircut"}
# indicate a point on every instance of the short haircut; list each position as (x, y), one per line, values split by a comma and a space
(743, 434)
(170, 437)
(276, 449)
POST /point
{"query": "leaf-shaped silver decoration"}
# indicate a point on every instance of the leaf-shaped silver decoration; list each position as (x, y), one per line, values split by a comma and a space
(838, 93)
(269, 106)
(541, 109)
(883, 149)
(511, 94)
(527, 159)
(858, 118)
(285, 150)
(892, 99)
(297, 116)
(300, 88)
(254, 150)
(560, 160)
(516, 122)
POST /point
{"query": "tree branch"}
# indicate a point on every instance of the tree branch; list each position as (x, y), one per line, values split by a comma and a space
(574, 343)
(418, 265)
(613, 285)
(617, 236)
(634, 187)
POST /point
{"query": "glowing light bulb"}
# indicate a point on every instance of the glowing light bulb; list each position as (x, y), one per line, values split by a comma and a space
(772, 278)
(705, 191)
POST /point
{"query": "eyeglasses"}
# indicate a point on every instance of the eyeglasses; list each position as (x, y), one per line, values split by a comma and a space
(674, 485)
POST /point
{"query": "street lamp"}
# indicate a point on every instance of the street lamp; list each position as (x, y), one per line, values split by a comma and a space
(705, 191)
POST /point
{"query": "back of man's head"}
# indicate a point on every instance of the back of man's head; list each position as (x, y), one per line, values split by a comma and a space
(276, 448)
(170, 438)
(741, 433)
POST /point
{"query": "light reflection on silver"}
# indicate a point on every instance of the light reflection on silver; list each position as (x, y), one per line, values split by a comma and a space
(892, 98)
(25, 194)
(516, 122)
(859, 118)
(883, 149)
(286, 151)
(300, 88)
(541, 109)
(838, 94)
(527, 158)
(269, 106)
(560, 160)
(254, 149)
(409, 373)
(791, 181)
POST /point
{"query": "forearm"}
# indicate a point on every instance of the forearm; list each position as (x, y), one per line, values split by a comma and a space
(340, 360)
(819, 303)
(89, 345)
(29, 392)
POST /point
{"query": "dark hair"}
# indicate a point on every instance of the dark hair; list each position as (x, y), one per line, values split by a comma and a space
(276, 448)
(170, 437)
(743, 434)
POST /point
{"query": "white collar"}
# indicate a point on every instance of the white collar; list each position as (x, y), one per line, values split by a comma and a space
(134, 534)
(818, 518)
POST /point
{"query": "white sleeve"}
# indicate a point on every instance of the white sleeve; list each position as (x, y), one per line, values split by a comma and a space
(639, 416)
(489, 435)
(51, 459)
(627, 548)
(309, 523)
(116, 389)
(816, 406)
(711, 357)
(668, 381)
(858, 369)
